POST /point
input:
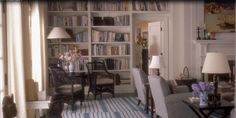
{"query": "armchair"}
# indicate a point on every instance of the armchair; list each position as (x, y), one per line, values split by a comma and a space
(65, 90)
(100, 80)
(168, 105)
(140, 78)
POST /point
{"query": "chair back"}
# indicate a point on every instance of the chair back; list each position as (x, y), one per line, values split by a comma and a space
(139, 80)
(95, 69)
(158, 89)
(58, 76)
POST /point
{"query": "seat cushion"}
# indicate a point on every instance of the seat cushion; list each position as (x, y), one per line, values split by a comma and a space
(165, 87)
(104, 81)
(67, 89)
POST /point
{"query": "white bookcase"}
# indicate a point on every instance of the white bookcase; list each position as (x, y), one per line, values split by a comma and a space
(109, 32)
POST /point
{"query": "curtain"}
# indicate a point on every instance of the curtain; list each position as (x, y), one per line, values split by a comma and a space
(2, 86)
(38, 43)
(16, 80)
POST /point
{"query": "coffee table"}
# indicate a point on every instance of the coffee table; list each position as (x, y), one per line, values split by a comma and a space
(206, 111)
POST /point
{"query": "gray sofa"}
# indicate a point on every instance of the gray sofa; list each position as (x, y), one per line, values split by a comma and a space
(169, 105)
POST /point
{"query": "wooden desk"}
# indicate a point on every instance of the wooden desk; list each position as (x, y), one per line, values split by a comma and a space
(200, 111)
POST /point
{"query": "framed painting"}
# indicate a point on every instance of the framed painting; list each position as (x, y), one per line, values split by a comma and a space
(219, 15)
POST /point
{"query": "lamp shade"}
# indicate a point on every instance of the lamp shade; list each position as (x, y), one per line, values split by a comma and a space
(155, 62)
(58, 33)
(216, 63)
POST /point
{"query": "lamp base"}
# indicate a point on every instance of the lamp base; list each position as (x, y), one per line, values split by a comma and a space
(214, 99)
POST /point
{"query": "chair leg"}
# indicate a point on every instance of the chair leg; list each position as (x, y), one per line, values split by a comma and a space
(139, 101)
(73, 107)
(88, 95)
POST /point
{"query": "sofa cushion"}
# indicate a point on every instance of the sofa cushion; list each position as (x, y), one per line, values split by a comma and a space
(165, 87)
(67, 89)
(104, 81)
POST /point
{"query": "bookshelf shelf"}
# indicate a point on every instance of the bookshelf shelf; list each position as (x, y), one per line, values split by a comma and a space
(74, 43)
(102, 31)
(105, 56)
(150, 12)
(110, 43)
(112, 12)
(71, 27)
(108, 27)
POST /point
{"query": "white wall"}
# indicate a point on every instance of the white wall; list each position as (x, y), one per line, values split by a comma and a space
(185, 17)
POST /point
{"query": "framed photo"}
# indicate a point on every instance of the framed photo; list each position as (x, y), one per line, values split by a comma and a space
(219, 15)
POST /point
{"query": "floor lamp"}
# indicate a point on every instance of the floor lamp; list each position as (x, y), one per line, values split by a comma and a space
(215, 63)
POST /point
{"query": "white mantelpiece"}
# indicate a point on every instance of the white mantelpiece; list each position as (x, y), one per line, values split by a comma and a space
(227, 47)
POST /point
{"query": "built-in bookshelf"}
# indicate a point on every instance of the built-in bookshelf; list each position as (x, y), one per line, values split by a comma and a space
(101, 31)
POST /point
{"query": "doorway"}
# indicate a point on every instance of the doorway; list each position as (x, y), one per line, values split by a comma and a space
(154, 28)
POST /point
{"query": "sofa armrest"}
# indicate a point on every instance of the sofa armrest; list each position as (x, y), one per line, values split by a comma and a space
(181, 89)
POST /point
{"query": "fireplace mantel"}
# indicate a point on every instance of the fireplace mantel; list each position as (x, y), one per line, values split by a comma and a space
(227, 47)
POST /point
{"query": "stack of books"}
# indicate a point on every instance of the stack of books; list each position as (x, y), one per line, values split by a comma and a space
(68, 20)
(111, 21)
(108, 36)
(100, 49)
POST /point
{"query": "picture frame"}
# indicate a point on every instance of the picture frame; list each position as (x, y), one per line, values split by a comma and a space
(219, 15)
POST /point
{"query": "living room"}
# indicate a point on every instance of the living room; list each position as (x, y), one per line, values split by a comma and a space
(38, 35)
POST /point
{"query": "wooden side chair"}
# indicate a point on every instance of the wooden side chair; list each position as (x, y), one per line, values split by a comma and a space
(65, 90)
(100, 80)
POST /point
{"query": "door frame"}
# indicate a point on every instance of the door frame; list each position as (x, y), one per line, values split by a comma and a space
(164, 20)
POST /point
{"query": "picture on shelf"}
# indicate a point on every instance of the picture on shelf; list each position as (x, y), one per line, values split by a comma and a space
(219, 15)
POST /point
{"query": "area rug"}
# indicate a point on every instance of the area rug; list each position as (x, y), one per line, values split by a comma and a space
(121, 107)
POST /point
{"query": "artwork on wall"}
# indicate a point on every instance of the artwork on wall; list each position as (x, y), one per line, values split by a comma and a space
(219, 15)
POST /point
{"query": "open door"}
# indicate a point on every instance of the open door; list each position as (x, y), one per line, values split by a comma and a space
(156, 45)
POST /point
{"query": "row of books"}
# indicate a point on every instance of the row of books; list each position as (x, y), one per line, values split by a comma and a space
(107, 5)
(111, 21)
(53, 50)
(53, 41)
(109, 36)
(81, 37)
(80, 65)
(150, 5)
(62, 5)
(111, 5)
(100, 49)
(68, 20)
(117, 64)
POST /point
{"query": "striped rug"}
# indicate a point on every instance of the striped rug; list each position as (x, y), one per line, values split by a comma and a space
(121, 107)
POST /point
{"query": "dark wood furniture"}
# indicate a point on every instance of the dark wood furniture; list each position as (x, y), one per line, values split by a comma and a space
(100, 80)
(207, 111)
(65, 89)
(149, 100)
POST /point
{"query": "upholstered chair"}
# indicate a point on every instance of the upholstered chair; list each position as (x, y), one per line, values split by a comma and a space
(168, 105)
(140, 78)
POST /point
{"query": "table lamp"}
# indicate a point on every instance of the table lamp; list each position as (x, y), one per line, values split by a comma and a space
(156, 63)
(58, 33)
(215, 63)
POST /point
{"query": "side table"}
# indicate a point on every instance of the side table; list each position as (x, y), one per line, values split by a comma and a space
(206, 111)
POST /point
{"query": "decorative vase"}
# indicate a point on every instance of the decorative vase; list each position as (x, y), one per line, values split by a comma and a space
(71, 67)
(203, 96)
